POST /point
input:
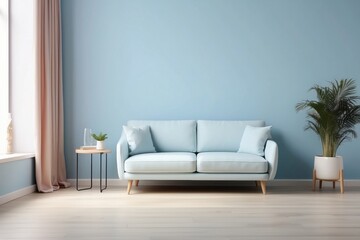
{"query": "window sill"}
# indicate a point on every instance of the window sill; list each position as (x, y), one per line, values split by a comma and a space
(15, 157)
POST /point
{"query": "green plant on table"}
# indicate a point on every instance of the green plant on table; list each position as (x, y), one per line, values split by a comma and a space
(99, 137)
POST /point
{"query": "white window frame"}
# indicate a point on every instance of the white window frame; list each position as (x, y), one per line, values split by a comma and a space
(4, 69)
(4, 57)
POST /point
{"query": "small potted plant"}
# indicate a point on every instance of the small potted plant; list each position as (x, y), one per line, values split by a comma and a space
(100, 138)
(333, 117)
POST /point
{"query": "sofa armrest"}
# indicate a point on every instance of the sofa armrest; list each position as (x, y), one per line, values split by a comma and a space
(122, 153)
(271, 155)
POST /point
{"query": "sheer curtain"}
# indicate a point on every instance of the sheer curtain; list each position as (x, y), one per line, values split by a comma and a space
(50, 162)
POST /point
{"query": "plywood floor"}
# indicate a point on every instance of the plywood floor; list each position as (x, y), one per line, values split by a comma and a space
(158, 213)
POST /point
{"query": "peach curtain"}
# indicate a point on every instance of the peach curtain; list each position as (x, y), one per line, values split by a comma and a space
(50, 162)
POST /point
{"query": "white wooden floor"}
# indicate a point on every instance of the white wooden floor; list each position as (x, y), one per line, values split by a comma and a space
(163, 213)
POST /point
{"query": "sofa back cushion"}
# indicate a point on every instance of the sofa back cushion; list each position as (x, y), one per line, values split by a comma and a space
(222, 136)
(170, 136)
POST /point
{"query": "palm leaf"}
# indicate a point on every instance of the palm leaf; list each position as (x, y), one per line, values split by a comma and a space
(334, 115)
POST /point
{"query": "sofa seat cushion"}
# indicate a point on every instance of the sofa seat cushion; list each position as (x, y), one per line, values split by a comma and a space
(230, 162)
(163, 162)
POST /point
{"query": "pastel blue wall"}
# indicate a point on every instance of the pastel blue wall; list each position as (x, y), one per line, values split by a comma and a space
(16, 175)
(213, 59)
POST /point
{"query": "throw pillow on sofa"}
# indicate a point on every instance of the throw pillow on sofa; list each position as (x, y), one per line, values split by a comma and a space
(139, 139)
(254, 139)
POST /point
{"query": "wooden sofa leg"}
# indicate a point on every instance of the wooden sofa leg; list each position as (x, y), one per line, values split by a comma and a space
(136, 183)
(129, 186)
(263, 186)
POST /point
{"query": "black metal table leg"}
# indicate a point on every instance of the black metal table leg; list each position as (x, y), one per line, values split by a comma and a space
(77, 174)
(91, 173)
(106, 171)
(77, 171)
(101, 188)
(101, 172)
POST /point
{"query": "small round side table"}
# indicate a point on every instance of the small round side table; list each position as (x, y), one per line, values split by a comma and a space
(91, 152)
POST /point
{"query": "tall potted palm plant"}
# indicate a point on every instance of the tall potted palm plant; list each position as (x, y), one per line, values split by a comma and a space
(333, 117)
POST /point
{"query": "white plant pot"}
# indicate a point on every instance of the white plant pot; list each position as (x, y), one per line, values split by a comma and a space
(100, 145)
(328, 168)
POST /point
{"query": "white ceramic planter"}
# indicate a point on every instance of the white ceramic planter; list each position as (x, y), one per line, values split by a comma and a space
(328, 168)
(100, 145)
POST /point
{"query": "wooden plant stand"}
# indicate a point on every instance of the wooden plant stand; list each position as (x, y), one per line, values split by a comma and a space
(341, 180)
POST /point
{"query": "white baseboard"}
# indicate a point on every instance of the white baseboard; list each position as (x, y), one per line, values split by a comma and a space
(17, 194)
(96, 182)
(274, 183)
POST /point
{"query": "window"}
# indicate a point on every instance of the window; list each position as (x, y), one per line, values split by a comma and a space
(4, 70)
(17, 77)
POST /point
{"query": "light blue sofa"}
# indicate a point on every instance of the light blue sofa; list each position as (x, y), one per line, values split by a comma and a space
(196, 150)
